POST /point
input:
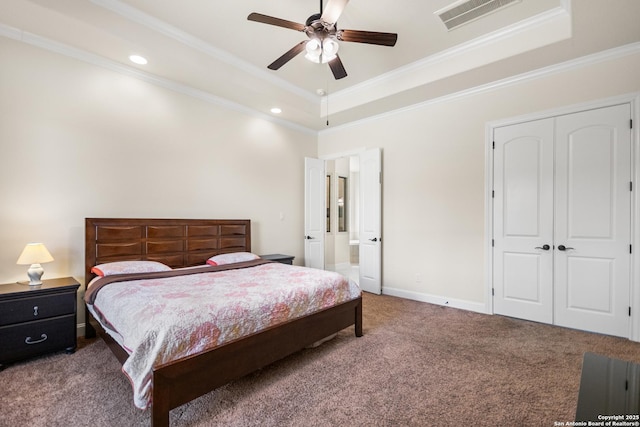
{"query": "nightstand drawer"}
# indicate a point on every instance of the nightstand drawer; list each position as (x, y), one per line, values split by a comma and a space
(35, 308)
(283, 259)
(35, 338)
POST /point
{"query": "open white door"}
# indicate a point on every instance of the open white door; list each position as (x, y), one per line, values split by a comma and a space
(371, 221)
(314, 212)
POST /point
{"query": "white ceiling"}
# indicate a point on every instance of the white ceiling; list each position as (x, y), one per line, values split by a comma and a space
(208, 48)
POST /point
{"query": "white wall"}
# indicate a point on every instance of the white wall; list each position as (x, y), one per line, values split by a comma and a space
(433, 175)
(77, 141)
(81, 141)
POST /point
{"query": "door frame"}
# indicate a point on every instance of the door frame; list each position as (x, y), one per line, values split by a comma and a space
(358, 152)
(634, 100)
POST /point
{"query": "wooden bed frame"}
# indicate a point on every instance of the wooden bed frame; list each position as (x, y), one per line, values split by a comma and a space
(188, 242)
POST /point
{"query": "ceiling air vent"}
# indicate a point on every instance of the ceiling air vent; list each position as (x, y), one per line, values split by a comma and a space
(465, 11)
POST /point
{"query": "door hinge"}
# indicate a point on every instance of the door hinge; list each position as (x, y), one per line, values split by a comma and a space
(493, 292)
(493, 243)
(493, 145)
(630, 123)
(380, 177)
(629, 311)
(630, 249)
(630, 185)
(493, 194)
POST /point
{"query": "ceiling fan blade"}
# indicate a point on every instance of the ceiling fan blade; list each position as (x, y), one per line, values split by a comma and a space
(258, 17)
(288, 56)
(333, 10)
(337, 68)
(371, 37)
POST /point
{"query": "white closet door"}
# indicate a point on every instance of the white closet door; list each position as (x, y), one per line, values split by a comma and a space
(523, 221)
(593, 220)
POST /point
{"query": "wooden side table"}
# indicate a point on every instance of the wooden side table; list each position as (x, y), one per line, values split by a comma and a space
(36, 320)
(284, 259)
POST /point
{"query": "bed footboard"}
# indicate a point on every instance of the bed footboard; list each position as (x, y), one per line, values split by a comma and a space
(183, 380)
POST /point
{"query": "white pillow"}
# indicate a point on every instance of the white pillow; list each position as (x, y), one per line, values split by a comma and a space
(126, 267)
(231, 258)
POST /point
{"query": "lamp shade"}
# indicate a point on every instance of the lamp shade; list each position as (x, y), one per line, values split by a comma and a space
(34, 253)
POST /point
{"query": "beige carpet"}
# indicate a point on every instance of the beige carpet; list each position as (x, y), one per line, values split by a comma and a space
(416, 365)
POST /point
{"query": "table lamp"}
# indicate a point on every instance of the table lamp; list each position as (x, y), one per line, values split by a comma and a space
(34, 254)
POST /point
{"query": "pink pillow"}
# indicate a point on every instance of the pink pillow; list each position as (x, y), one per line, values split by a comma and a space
(231, 258)
(126, 267)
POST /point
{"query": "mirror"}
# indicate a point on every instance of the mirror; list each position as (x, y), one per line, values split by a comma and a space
(342, 203)
(328, 203)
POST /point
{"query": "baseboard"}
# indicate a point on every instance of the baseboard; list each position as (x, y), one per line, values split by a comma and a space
(433, 299)
(343, 266)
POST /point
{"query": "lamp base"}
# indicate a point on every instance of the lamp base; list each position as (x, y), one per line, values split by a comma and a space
(35, 273)
(28, 283)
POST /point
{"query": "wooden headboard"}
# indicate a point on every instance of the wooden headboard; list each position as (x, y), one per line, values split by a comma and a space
(174, 242)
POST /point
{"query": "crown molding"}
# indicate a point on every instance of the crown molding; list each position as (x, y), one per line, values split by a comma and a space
(573, 64)
(187, 39)
(456, 59)
(90, 58)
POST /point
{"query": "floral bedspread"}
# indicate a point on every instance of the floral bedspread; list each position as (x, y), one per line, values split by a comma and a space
(165, 319)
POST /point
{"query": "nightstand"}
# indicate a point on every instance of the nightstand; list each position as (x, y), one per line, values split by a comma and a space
(37, 320)
(284, 259)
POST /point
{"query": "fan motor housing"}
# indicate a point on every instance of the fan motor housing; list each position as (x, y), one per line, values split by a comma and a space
(311, 20)
(315, 28)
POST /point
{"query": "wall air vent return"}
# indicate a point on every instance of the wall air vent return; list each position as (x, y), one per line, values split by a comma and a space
(462, 12)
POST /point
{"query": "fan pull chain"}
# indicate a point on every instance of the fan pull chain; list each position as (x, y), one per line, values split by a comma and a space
(327, 106)
(327, 95)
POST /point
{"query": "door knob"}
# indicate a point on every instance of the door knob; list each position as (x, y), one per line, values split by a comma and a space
(544, 247)
(563, 248)
(375, 239)
(309, 237)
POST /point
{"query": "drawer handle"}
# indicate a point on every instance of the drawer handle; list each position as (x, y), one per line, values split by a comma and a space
(35, 310)
(43, 338)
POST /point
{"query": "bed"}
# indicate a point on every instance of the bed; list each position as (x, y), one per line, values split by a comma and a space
(182, 243)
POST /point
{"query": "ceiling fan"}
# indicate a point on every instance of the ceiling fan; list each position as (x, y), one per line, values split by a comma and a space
(323, 33)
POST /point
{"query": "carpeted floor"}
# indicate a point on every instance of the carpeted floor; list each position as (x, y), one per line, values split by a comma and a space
(416, 365)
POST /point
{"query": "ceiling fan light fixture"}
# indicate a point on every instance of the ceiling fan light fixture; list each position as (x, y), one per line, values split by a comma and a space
(313, 58)
(321, 51)
(313, 47)
(314, 50)
(326, 58)
(330, 46)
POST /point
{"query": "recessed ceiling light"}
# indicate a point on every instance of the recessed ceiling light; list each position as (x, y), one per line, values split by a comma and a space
(276, 110)
(138, 59)
(321, 92)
